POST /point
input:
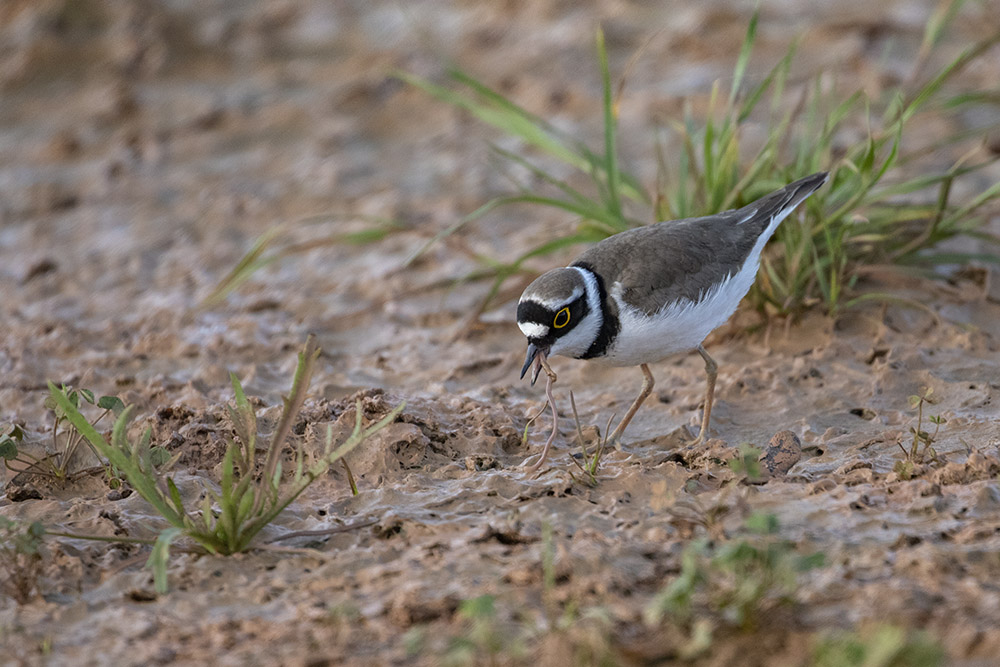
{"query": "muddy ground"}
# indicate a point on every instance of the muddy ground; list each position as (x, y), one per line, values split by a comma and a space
(145, 145)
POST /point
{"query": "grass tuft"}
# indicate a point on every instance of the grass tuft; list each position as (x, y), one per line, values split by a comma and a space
(737, 581)
(21, 558)
(882, 646)
(248, 498)
(59, 463)
(874, 213)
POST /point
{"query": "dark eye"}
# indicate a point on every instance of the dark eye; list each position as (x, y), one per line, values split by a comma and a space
(561, 318)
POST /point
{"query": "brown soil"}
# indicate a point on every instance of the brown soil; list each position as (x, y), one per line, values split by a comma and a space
(144, 146)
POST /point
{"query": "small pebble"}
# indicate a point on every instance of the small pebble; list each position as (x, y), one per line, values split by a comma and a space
(782, 452)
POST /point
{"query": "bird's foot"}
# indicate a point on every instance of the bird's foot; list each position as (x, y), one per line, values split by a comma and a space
(700, 440)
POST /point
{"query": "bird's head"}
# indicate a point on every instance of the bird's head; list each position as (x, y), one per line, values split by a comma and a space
(559, 313)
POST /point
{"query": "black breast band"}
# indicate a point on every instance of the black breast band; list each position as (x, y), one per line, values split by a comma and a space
(609, 323)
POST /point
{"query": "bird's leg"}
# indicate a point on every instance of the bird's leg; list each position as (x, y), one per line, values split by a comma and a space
(712, 371)
(647, 389)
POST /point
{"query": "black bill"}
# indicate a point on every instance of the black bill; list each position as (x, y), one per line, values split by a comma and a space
(533, 351)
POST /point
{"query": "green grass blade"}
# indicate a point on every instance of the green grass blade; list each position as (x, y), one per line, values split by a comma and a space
(776, 78)
(543, 175)
(744, 58)
(293, 403)
(610, 125)
(988, 195)
(708, 145)
(955, 66)
(207, 515)
(942, 258)
(921, 182)
(942, 17)
(494, 109)
(175, 496)
(159, 556)
(245, 506)
(451, 229)
(510, 107)
(244, 421)
(227, 505)
(593, 212)
(629, 185)
(549, 247)
(506, 117)
(246, 267)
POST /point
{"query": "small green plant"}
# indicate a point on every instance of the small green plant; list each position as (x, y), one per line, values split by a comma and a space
(578, 637)
(488, 636)
(11, 437)
(65, 441)
(248, 498)
(746, 463)
(917, 453)
(20, 554)
(583, 635)
(482, 640)
(735, 581)
(591, 461)
(920, 436)
(882, 646)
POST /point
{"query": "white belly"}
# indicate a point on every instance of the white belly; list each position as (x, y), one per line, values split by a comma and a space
(680, 326)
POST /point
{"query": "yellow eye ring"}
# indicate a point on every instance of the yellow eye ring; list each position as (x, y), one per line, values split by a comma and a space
(560, 321)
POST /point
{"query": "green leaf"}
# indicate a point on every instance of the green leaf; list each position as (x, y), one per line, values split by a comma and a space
(142, 446)
(610, 124)
(246, 504)
(744, 58)
(87, 395)
(112, 403)
(503, 115)
(482, 607)
(118, 454)
(250, 263)
(207, 516)
(8, 448)
(175, 495)
(159, 556)
(227, 471)
(762, 523)
(810, 562)
(158, 456)
(36, 529)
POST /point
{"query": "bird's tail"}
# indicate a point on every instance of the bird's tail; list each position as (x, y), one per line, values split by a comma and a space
(781, 202)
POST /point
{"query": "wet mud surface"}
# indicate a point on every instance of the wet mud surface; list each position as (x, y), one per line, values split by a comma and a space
(145, 146)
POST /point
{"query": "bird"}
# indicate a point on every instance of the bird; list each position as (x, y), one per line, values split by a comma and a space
(651, 292)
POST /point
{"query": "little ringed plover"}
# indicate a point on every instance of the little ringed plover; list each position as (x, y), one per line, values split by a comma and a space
(648, 293)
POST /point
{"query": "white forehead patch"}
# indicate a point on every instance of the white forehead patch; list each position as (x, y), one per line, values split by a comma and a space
(533, 329)
(553, 304)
